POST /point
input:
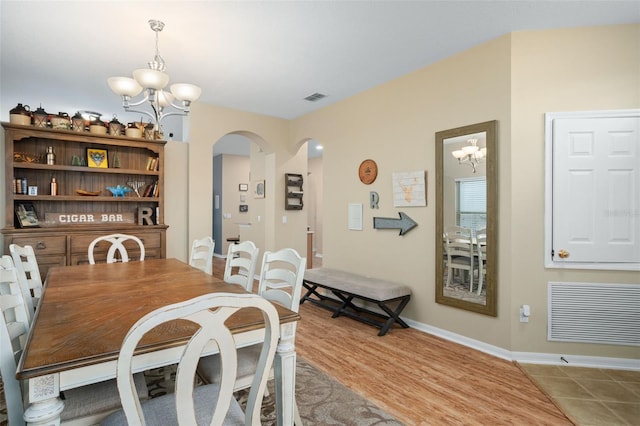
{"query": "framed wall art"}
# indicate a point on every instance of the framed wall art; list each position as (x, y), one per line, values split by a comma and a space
(409, 189)
(243, 187)
(97, 158)
(258, 189)
(26, 216)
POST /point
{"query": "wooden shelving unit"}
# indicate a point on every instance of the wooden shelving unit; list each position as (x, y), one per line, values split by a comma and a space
(293, 191)
(58, 243)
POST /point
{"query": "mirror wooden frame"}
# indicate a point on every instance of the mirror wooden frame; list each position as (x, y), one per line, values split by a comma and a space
(491, 128)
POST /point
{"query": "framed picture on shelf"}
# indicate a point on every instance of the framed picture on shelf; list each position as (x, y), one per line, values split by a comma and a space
(243, 187)
(258, 189)
(97, 158)
(26, 216)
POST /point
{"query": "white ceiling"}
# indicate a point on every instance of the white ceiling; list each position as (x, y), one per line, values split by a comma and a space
(263, 57)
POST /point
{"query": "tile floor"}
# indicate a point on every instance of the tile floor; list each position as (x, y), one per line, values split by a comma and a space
(591, 396)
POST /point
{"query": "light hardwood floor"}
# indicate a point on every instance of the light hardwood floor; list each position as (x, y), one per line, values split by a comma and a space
(419, 378)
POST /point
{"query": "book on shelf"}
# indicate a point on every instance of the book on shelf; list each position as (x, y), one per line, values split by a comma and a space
(153, 164)
(151, 189)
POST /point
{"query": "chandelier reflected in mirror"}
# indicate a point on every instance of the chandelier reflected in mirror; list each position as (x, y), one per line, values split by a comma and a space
(470, 154)
(151, 82)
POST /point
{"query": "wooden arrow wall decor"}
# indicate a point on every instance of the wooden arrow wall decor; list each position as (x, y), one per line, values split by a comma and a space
(405, 223)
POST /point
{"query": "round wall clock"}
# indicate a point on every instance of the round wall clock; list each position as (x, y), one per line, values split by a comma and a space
(368, 171)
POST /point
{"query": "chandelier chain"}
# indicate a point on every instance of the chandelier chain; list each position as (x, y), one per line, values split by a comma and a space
(158, 63)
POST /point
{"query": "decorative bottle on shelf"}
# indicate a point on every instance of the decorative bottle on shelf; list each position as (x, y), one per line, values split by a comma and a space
(116, 161)
(54, 186)
(51, 156)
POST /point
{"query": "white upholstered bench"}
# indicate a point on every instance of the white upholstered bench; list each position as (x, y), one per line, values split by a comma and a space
(347, 286)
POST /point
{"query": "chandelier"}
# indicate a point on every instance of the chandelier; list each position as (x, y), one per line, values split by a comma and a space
(470, 154)
(152, 81)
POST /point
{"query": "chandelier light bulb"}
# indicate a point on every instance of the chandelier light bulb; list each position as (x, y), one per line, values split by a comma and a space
(185, 91)
(124, 86)
(469, 149)
(151, 79)
(470, 154)
(165, 98)
(458, 154)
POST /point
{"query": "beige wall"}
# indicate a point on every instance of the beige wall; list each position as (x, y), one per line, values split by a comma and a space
(176, 199)
(513, 79)
(561, 70)
(395, 125)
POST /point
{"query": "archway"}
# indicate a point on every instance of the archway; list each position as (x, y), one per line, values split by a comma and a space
(235, 209)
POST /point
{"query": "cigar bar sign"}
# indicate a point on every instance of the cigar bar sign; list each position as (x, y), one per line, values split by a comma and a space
(88, 218)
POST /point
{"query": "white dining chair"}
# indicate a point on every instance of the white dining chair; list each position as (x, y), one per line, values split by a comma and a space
(240, 266)
(201, 256)
(14, 326)
(117, 246)
(281, 282)
(26, 264)
(10, 283)
(481, 247)
(460, 253)
(86, 405)
(208, 404)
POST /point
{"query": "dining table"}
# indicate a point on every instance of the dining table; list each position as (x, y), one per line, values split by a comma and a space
(86, 311)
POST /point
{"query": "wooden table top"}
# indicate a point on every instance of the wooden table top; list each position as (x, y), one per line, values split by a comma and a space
(86, 311)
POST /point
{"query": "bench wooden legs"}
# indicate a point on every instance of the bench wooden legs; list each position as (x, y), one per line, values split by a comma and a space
(345, 306)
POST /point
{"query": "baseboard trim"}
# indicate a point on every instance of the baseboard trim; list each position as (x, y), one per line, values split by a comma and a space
(529, 357)
(463, 340)
(577, 360)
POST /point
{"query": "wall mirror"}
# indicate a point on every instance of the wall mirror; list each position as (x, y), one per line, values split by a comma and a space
(466, 217)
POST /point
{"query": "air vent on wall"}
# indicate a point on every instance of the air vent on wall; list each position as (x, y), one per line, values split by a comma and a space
(594, 313)
(315, 97)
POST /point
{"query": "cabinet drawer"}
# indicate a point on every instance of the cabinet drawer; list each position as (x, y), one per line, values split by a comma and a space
(151, 240)
(50, 245)
(80, 243)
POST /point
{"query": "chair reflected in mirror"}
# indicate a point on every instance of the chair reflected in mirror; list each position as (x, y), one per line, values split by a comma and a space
(460, 255)
(481, 248)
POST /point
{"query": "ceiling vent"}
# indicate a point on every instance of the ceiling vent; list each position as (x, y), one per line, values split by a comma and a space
(315, 97)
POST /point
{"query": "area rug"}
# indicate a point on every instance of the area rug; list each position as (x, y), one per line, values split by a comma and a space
(321, 400)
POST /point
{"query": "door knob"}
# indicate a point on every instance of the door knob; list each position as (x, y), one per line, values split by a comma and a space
(563, 254)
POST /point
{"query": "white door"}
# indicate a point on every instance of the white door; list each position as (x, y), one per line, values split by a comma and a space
(596, 189)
